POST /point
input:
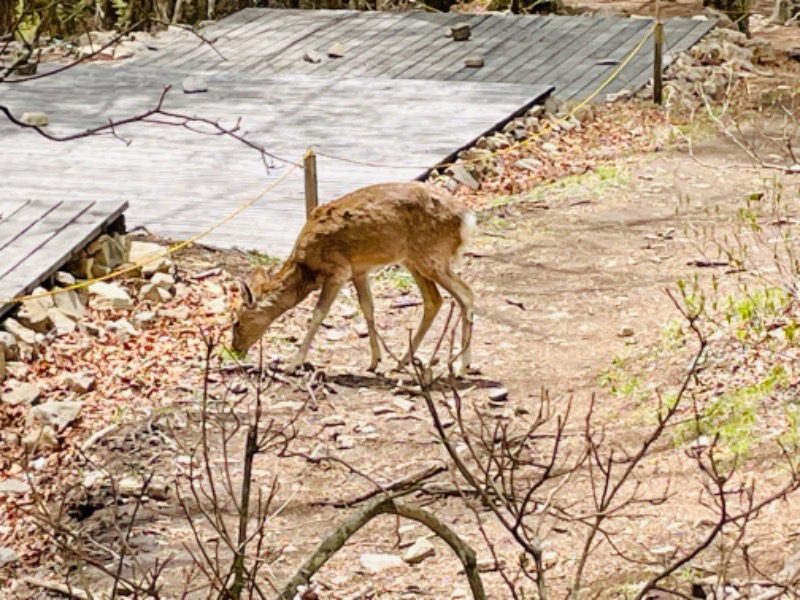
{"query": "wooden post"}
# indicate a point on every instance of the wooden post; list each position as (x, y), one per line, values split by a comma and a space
(310, 165)
(658, 45)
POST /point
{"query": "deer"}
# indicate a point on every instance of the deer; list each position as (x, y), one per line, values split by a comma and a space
(415, 225)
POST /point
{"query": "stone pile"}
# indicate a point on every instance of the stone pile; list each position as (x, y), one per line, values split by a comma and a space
(708, 69)
(480, 161)
(57, 312)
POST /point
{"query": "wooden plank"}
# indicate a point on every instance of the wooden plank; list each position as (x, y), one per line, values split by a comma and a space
(57, 218)
(485, 33)
(23, 219)
(619, 42)
(42, 264)
(567, 50)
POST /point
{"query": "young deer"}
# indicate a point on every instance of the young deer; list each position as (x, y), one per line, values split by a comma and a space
(412, 224)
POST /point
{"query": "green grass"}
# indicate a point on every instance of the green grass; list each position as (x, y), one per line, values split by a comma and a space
(731, 418)
(260, 259)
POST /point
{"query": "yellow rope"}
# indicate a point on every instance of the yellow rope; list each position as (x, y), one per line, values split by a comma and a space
(155, 256)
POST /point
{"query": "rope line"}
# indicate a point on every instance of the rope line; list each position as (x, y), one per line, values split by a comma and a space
(160, 254)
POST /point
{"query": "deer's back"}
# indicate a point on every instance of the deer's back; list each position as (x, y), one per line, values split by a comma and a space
(381, 224)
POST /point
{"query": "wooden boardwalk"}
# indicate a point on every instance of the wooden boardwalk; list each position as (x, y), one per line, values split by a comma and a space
(38, 236)
(572, 54)
(178, 183)
(399, 102)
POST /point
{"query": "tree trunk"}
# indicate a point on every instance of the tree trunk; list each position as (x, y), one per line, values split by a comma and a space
(6, 18)
(737, 10)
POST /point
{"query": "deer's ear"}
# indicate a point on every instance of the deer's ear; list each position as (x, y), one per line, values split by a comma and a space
(248, 297)
(259, 279)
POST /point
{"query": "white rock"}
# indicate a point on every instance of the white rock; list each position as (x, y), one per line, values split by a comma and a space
(110, 295)
(7, 557)
(153, 293)
(375, 563)
(144, 318)
(40, 438)
(194, 85)
(70, 303)
(14, 487)
(419, 551)
(64, 278)
(163, 280)
(404, 405)
(21, 392)
(332, 421)
(130, 486)
(123, 327)
(58, 415)
(8, 345)
(155, 256)
(38, 119)
(33, 315)
(345, 442)
(62, 324)
(80, 382)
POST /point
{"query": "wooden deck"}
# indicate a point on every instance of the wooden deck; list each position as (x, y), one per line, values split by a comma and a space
(572, 54)
(400, 99)
(178, 183)
(38, 236)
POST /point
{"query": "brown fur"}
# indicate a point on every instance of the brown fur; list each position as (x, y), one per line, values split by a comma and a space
(412, 224)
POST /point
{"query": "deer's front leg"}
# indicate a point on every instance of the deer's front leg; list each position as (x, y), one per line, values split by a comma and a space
(327, 295)
(361, 283)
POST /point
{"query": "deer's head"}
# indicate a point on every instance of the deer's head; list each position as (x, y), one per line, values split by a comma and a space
(264, 299)
(257, 310)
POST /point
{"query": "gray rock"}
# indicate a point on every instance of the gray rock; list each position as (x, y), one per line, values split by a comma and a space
(375, 563)
(332, 421)
(40, 438)
(498, 394)
(312, 57)
(474, 62)
(33, 315)
(460, 174)
(123, 328)
(7, 557)
(419, 551)
(70, 303)
(626, 331)
(91, 328)
(460, 32)
(37, 119)
(130, 486)
(14, 487)
(155, 257)
(80, 382)
(154, 293)
(8, 345)
(110, 295)
(194, 85)
(58, 415)
(108, 251)
(345, 442)
(164, 281)
(62, 324)
(337, 50)
(21, 392)
(144, 318)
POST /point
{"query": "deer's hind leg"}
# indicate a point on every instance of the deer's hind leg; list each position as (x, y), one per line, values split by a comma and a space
(466, 300)
(431, 303)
